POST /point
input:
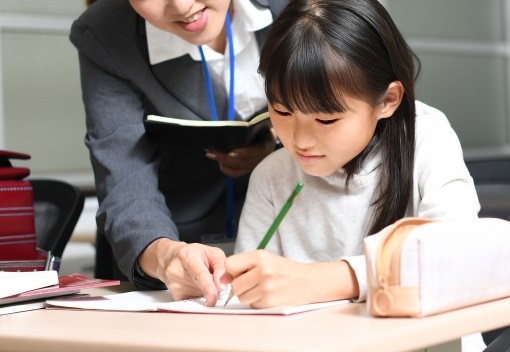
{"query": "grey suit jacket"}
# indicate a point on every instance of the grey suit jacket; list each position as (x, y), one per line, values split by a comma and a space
(146, 191)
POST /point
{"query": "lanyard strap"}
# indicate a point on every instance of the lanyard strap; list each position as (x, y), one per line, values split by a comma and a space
(229, 226)
(208, 82)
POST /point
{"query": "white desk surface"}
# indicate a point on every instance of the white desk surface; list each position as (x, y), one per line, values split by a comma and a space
(343, 328)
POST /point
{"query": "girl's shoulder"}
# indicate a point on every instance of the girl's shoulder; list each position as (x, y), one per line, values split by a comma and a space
(430, 119)
(433, 126)
(430, 114)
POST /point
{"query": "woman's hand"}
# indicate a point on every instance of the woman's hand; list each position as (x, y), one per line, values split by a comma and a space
(263, 279)
(241, 161)
(188, 270)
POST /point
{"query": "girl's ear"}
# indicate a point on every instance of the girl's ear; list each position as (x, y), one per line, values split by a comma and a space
(392, 99)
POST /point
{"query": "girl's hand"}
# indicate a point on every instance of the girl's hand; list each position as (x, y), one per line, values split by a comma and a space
(241, 161)
(263, 279)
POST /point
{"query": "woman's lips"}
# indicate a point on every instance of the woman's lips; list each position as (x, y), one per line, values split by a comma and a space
(195, 22)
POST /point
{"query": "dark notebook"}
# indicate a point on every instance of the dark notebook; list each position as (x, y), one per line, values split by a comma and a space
(222, 135)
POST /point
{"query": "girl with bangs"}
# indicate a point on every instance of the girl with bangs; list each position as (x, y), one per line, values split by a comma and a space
(340, 80)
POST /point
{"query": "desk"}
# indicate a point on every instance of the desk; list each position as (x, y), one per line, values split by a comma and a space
(343, 328)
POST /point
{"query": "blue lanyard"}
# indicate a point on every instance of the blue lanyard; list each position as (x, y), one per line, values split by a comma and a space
(229, 226)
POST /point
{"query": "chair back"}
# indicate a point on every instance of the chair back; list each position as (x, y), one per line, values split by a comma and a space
(492, 183)
(57, 208)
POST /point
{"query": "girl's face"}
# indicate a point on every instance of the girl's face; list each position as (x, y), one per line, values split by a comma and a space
(197, 22)
(324, 143)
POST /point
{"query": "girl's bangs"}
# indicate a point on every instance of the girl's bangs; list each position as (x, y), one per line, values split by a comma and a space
(309, 79)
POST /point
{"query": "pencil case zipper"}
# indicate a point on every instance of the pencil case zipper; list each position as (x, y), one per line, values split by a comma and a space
(388, 261)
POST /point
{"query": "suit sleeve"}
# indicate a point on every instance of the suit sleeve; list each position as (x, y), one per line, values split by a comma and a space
(132, 211)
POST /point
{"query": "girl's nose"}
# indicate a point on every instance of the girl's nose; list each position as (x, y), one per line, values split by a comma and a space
(304, 137)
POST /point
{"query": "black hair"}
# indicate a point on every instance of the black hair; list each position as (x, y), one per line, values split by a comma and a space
(320, 51)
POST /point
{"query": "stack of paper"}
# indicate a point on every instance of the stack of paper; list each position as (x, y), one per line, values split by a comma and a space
(12, 283)
(32, 299)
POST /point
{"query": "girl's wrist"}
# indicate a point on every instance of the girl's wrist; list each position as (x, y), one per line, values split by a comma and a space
(332, 281)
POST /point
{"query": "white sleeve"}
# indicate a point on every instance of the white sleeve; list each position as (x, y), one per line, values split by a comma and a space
(359, 266)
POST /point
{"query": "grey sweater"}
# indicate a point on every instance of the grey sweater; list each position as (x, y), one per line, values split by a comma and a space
(327, 222)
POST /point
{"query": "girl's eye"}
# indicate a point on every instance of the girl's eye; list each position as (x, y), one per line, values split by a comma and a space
(327, 122)
(282, 113)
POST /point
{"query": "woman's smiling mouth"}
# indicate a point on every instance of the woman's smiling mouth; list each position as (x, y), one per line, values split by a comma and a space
(195, 17)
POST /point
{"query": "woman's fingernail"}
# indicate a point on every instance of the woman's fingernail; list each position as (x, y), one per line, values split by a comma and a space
(210, 156)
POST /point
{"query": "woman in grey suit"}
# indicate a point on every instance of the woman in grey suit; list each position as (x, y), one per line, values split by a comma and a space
(158, 202)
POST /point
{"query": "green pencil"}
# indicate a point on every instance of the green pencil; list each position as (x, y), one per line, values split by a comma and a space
(280, 216)
(274, 225)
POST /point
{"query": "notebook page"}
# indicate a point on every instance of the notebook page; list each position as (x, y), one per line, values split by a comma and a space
(197, 305)
(145, 301)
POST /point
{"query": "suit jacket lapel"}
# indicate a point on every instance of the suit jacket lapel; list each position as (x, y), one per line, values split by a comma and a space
(184, 75)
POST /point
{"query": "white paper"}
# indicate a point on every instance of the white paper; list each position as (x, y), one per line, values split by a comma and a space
(161, 301)
(136, 301)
